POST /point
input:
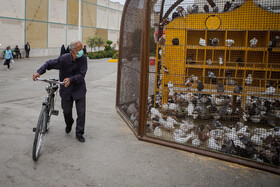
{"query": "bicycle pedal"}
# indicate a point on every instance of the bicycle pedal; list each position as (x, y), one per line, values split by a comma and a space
(34, 129)
(55, 112)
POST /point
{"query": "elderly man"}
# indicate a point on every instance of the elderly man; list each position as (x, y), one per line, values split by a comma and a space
(72, 70)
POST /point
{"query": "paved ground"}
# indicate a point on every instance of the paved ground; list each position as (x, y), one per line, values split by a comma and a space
(111, 156)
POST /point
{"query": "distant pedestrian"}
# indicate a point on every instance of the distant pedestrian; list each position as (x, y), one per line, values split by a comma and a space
(27, 49)
(17, 51)
(8, 57)
(62, 50)
(85, 49)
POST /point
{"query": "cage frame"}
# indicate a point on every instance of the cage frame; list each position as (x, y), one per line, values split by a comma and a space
(143, 96)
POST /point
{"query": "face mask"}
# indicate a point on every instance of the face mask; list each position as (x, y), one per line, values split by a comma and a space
(80, 53)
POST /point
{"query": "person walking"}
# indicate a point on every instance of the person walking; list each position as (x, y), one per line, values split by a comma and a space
(85, 49)
(8, 57)
(72, 71)
(17, 51)
(27, 49)
(62, 50)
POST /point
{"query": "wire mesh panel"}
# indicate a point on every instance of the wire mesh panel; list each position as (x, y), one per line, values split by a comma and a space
(214, 76)
(129, 61)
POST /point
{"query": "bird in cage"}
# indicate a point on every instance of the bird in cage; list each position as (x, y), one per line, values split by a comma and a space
(158, 132)
(195, 142)
(181, 11)
(206, 8)
(190, 59)
(231, 81)
(165, 69)
(189, 83)
(227, 146)
(215, 41)
(213, 144)
(216, 9)
(229, 42)
(221, 59)
(212, 77)
(227, 6)
(162, 40)
(249, 80)
(202, 42)
(273, 43)
(200, 86)
(238, 89)
(194, 78)
(270, 90)
(165, 21)
(220, 87)
(195, 8)
(253, 42)
(209, 62)
(175, 15)
(227, 73)
(190, 108)
(202, 136)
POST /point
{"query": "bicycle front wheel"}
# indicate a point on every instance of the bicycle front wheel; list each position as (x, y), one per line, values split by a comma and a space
(40, 133)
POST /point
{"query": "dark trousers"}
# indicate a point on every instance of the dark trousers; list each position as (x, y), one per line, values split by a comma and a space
(7, 62)
(27, 53)
(18, 54)
(67, 106)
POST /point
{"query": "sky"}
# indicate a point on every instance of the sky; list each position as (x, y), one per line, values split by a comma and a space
(120, 1)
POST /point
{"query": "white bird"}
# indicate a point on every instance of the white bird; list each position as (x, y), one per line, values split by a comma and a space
(257, 140)
(185, 139)
(232, 135)
(179, 133)
(213, 144)
(221, 59)
(172, 107)
(253, 42)
(242, 130)
(181, 11)
(170, 119)
(249, 80)
(186, 126)
(270, 90)
(190, 108)
(202, 42)
(155, 112)
(195, 142)
(216, 133)
(157, 132)
(208, 62)
(131, 109)
(229, 42)
(239, 143)
(171, 88)
(189, 9)
(165, 107)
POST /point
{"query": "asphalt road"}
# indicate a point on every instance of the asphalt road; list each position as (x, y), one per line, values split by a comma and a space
(111, 155)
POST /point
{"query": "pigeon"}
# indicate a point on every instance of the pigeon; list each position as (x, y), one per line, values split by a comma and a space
(165, 21)
(227, 6)
(189, 83)
(175, 15)
(238, 89)
(220, 87)
(209, 43)
(202, 42)
(206, 8)
(215, 42)
(227, 73)
(202, 136)
(209, 62)
(253, 42)
(221, 59)
(157, 132)
(181, 11)
(249, 80)
(200, 86)
(270, 90)
(212, 76)
(273, 43)
(190, 59)
(162, 40)
(175, 41)
(229, 42)
(213, 144)
(165, 69)
(195, 8)
(215, 9)
(189, 9)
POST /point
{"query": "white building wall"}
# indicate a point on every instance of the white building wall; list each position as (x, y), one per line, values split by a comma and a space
(56, 35)
(57, 11)
(114, 36)
(102, 17)
(114, 19)
(11, 33)
(103, 3)
(12, 8)
(72, 33)
(114, 5)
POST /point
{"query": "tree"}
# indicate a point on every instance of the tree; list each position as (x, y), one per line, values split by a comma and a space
(99, 41)
(91, 43)
(108, 46)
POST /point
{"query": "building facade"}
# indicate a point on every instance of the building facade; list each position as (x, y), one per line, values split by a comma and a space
(47, 24)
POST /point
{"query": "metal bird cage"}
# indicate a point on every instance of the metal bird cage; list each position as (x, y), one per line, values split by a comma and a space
(203, 76)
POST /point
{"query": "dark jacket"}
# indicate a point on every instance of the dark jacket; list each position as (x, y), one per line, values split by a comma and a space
(62, 50)
(27, 47)
(75, 70)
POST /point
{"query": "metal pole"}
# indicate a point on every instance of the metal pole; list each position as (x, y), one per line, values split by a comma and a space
(79, 27)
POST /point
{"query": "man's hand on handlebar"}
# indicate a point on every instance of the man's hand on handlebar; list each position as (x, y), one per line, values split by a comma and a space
(35, 76)
(66, 82)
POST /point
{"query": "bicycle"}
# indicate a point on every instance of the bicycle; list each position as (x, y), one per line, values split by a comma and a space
(44, 118)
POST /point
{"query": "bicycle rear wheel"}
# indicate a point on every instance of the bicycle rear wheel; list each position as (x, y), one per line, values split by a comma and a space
(40, 133)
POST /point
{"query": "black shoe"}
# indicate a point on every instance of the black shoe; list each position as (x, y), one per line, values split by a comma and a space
(80, 138)
(68, 130)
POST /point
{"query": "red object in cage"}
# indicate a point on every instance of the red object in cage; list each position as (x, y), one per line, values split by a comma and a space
(152, 61)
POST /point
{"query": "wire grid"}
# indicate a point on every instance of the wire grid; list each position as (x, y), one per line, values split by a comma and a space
(130, 63)
(215, 82)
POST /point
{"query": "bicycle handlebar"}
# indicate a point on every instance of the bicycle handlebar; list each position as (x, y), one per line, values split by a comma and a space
(51, 81)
